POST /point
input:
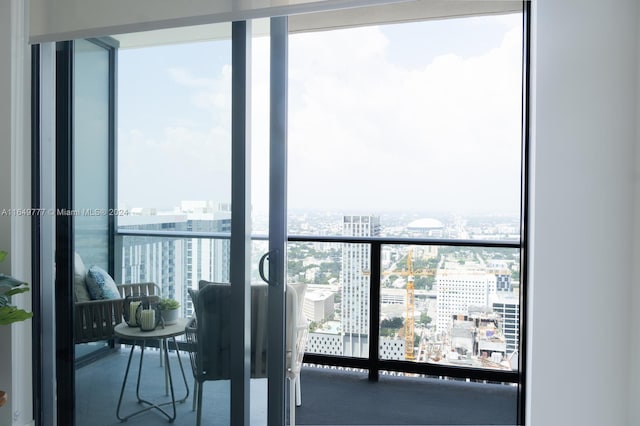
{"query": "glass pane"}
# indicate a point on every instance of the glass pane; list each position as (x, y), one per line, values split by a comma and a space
(260, 126)
(91, 167)
(174, 176)
(174, 144)
(337, 297)
(318, 265)
(408, 129)
(451, 305)
(91, 152)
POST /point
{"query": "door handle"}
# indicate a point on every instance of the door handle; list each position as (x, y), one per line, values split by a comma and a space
(261, 266)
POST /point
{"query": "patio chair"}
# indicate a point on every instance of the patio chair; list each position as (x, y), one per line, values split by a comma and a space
(96, 319)
(208, 334)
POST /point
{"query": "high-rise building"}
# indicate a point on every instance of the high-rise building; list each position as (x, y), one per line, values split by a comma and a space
(507, 306)
(319, 305)
(355, 283)
(153, 259)
(177, 264)
(460, 287)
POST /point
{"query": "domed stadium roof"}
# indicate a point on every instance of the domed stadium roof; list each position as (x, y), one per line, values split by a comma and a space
(426, 223)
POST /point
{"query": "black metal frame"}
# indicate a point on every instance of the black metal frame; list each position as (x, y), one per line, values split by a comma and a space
(240, 366)
(64, 157)
(36, 298)
(65, 350)
(373, 363)
(524, 212)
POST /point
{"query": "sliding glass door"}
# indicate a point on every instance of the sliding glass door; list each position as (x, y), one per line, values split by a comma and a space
(169, 203)
(194, 192)
(84, 152)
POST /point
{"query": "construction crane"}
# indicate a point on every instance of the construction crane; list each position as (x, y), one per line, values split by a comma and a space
(410, 304)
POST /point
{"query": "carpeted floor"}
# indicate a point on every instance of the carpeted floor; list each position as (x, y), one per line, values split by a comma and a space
(334, 397)
(329, 396)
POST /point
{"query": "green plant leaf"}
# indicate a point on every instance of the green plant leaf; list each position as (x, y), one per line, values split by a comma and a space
(168, 304)
(10, 286)
(10, 314)
(17, 291)
(6, 280)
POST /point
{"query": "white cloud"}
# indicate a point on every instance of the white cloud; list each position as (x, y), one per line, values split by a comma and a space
(365, 133)
(369, 134)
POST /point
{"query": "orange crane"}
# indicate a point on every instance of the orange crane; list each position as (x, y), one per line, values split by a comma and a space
(410, 304)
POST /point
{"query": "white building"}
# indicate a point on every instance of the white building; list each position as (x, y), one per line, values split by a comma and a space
(393, 296)
(318, 304)
(426, 227)
(355, 284)
(457, 289)
(507, 306)
(177, 264)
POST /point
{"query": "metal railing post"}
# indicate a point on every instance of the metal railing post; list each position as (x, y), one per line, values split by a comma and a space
(374, 311)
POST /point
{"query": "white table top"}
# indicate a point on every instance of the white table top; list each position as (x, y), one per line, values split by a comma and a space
(123, 330)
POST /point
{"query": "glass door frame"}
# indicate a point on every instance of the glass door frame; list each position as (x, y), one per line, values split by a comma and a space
(279, 36)
(60, 398)
(64, 201)
(240, 268)
(241, 222)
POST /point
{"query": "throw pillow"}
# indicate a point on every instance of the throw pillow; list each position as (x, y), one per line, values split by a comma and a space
(79, 286)
(100, 284)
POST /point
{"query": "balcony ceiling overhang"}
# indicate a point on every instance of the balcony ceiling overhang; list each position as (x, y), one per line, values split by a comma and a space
(57, 20)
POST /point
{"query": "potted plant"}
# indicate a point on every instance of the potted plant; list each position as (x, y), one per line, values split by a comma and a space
(9, 286)
(169, 309)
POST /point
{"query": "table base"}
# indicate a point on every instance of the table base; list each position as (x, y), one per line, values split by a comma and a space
(152, 405)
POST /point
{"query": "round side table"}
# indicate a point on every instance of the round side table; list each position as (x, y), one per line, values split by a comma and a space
(140, 337)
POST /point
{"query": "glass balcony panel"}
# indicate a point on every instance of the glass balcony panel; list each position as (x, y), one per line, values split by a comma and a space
(337, 298)
(456, 306)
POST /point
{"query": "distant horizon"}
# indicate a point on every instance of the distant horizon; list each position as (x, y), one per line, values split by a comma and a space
(335, 213)
(377, 121)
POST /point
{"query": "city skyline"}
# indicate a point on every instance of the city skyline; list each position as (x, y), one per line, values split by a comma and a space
(466, 314)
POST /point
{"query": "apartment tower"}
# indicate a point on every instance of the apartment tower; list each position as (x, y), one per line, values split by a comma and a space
(355, 283)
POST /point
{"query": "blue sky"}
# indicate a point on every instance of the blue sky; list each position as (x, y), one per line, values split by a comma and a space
(418, 117)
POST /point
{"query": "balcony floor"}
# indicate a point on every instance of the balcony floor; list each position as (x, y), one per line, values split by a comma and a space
(329, 396)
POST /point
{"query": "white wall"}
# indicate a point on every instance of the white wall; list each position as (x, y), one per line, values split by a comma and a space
(582, 212)
(15, 340)
(634, 362)
(5, 190)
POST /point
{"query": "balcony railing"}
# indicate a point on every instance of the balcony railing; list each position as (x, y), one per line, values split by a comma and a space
(176, 272)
